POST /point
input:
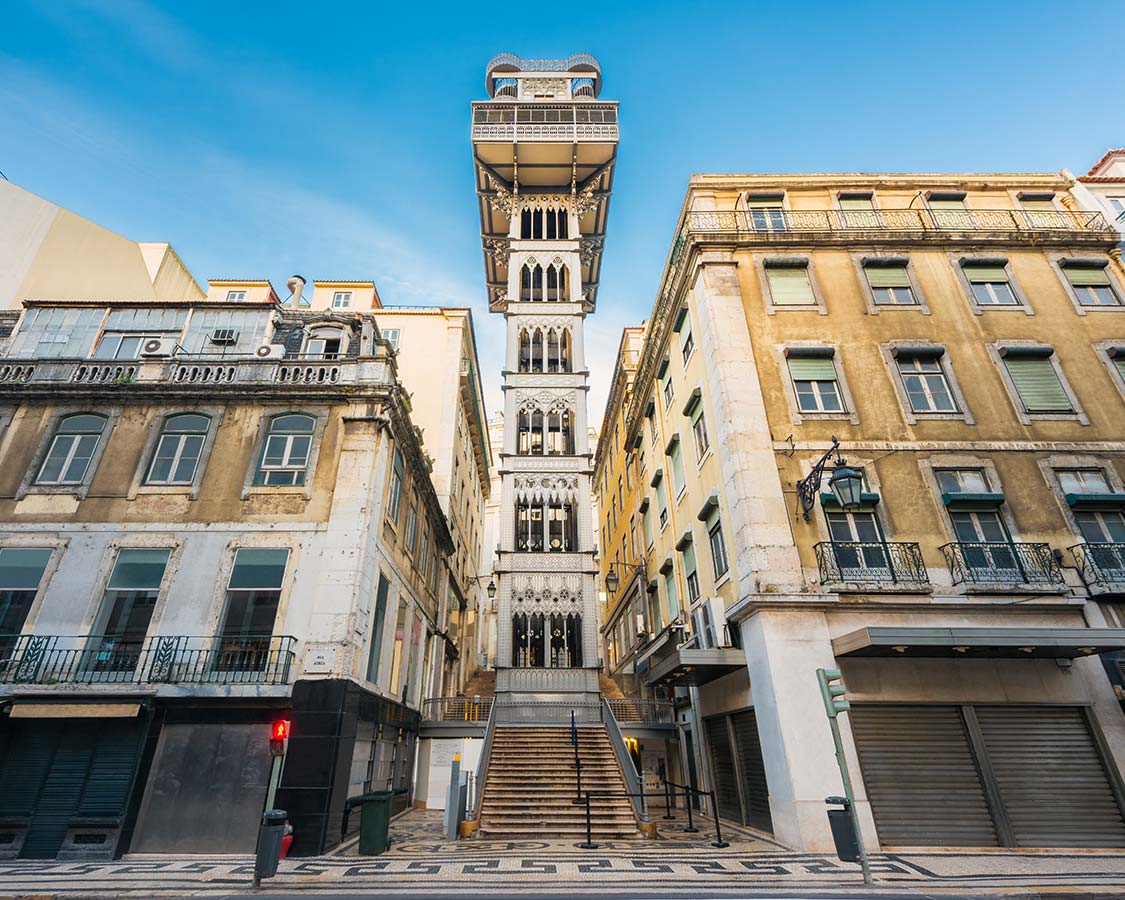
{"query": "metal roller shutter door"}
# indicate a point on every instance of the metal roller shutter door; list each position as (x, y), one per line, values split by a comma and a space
(722, 765)
(921, 777)
(1050, 776)
(756, 795)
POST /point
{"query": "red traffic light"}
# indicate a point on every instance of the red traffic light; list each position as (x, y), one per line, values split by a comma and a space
(280, 731)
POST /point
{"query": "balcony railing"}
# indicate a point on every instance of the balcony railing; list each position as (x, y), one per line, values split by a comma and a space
(1002, 564)
(935, 222)
(457, 709)
(872, 563)
(630, 711)
(163, 659)
(1102, 565)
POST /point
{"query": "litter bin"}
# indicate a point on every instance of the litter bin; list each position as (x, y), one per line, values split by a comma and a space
(375, 822)
(268, 850)
(843, 829)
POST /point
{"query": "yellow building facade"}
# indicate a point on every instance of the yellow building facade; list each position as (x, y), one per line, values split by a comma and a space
(958, 334)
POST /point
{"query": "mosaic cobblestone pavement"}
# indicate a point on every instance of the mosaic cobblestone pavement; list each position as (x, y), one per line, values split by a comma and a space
(421, 861)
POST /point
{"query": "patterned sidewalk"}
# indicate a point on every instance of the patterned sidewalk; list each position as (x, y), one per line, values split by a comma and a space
(421, 862)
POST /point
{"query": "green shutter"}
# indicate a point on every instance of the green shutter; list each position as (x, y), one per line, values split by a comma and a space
(1120, 363)
(957, 203)
(773, 202)
(812, 368)
(1038, 385)
(1084, 276)
(985, 274)
(789, 286)
(887, 276)
(856, 203)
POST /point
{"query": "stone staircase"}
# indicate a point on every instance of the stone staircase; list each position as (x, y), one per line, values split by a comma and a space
(530, 785)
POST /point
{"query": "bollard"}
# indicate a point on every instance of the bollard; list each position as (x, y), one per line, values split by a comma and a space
(268, 850)
(454, 799)
(667, 801)
(718, 842)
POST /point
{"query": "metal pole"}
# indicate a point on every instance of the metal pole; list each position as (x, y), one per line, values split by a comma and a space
(718, 842)
(667, 802)
(275, 780)
(690, 827)
(589, 845)
(867, 879)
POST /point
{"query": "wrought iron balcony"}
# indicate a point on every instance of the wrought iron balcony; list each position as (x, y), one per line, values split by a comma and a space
(574, 121)
(1002, 564)
(775, 225)
(886, 564)
(630, 711)
(163, 659)
(1101, 565)
(457, 709)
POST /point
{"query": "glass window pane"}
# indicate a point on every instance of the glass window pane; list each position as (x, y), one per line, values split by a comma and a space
(190, 447)
(275, 450)
(83, 423)
(292, 424)
(138, 570)
(162, 460)
(187, 422)
(80, 459)
(56, 456)
(22, 567)
(262, 569)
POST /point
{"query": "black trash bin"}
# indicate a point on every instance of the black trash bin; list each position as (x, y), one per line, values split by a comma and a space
(375, 822)
(268, 850)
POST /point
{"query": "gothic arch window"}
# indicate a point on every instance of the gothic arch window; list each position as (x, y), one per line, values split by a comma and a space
(547, 640)
(550, 526)
(544, 349)
(548, 433)
(543, 224)
(539, 285)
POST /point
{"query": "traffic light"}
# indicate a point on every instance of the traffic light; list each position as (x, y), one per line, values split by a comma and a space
(832, 691)
(279, 737)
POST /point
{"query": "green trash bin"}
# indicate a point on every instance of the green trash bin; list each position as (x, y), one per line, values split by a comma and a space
(375, 822)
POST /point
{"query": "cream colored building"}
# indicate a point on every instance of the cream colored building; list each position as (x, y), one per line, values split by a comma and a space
(959, 334)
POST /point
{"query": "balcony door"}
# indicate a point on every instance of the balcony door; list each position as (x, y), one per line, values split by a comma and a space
(1104, 533)
(986, 546)
(858, 546)
(126, 611)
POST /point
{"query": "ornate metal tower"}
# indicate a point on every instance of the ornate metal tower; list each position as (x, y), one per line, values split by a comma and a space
(544, 148)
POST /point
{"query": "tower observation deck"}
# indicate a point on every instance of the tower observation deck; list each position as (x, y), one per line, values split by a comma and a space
(544, 149)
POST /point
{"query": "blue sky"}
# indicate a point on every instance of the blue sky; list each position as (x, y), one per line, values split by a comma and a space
(263, 139)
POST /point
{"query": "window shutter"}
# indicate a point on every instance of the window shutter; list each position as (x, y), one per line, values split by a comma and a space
(1038, 384)
(957, 203)
(985, 274)
(812, 368)
(789, 286)
(887, 276)
(854, 202)
(1038, 204)
(1119, 361)
(1086, 276)
(773, 202)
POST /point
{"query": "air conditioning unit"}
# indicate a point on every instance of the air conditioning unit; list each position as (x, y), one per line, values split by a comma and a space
(270, 351)
(157, 347)
(224, 336)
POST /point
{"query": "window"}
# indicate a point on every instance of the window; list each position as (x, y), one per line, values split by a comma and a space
(285, 451)
(553, 526)
(397, 474)
(72, 449)
(766, 212)
(676, 457)
(670, 589)
(890, 284)
(691, 576)
(126, 345)
(1036, 382)
(178, 449)
(661, 499)
(926, 384)
(857, 210)
(949, 210)
(1116, 208)
(789, 284)
(1040, 210)
(857, 546)
(1083, 481)
(1102, 527)
(687, 344)
(543, 224)
(341, 299)
(1091, 284)
(325, 344)
(646, 524)
(535, 287)
(699, 432)
(411, 533)
(962, 481)
(236, 296)
(21, 570)
(126, 609)
(391, 336)
(377, 624)
(718, 546)
(815, 384)
(989, 284)
(253, 594)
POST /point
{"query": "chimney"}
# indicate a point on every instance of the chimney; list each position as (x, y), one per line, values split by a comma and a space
(296, 285)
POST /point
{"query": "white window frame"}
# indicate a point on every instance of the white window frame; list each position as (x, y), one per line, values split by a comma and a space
(893, 349)
(959, 261)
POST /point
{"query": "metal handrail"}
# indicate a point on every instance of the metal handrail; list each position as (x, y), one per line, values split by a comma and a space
(482, 765)
(1100, 564)
(633, 780)
(161, 659)
(635, 711)
(456, 709)
(1002, 563)
(871, 562)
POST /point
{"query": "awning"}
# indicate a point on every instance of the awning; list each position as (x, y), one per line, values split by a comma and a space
(75, 710)
(986, 643)
(694, 667)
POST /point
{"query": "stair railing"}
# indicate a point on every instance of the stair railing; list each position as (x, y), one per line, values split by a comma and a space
(577, 760)
(633, 783)
(482, 766)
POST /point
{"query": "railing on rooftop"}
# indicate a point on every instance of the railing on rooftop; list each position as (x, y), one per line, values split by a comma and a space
(1102, 565)
(887, 564)
(457, 709)
(631, 711)
(161, 659)
(1002, 564)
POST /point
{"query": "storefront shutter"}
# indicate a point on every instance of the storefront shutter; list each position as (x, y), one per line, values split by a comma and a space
(722, 767)
(1051, 777)
(812, 368)
(1038, 384)
(61, 792)
(748, 748)
(920, 776)
(887, 276)
(789, 286)
(111, 770)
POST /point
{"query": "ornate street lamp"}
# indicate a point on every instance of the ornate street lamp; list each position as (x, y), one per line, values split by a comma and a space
(845, 482)
(491, 589)
(613, 580)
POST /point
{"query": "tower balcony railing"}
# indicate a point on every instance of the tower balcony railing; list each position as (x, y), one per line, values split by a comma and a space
(774, 224)
(457, 709)
(1101, 565)
(633, 711)
(879, 564)
(585, 121)
(161, 659)
(1002, 564)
